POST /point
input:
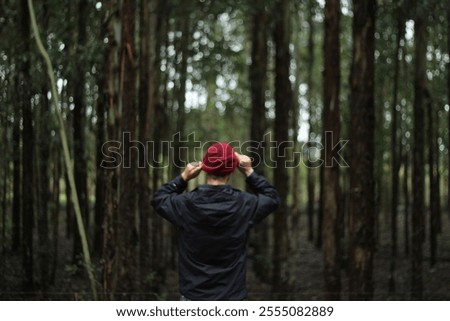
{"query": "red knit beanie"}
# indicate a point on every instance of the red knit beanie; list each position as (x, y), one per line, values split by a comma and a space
(219, 160)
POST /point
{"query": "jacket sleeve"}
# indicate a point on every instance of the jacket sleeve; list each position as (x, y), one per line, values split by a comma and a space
(167, 201)
(267, 196)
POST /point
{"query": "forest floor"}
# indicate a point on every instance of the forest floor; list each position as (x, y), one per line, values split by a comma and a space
(72, 285)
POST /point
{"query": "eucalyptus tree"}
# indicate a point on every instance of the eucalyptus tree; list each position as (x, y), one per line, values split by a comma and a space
(361, 206)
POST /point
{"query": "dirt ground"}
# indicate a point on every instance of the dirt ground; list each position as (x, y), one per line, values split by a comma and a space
(70, 285)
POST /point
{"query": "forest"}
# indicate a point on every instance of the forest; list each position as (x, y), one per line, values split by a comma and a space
(343, 105)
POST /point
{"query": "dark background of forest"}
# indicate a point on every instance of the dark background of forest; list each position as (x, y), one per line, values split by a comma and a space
(373, 73)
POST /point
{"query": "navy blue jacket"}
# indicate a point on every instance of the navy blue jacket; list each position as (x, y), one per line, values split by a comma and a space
(214, 222)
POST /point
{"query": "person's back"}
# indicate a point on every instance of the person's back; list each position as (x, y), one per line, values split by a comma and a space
(214, 220)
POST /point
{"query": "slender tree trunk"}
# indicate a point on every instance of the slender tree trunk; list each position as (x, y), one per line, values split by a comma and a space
(101, 187)
(406, 195)
(319, 237)
(5, 177)
(110, 258)
(17, 178)
(79, 120)
(66, 93)
(418, 215)
(100, 182)
(126, 228)
(182, 48)
(158, 121)
(28, 146)
(146, 111)
(283, 105)
(55, 213)
(258, 85)
(448, 101)
(179, 155)
(361, 207)
(331, 132)
(395, 157)
(433, 179)
(43, 161)
(43, 164)
(295, 128)
(311, 177)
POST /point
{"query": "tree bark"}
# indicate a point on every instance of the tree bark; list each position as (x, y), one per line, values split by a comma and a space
(158, 123)
(146, 113)
(330, 170)
(79, 124)
(406, 195)
(434, 190)
(28, 146)
(283, 105)
(395, 156)
(110, 256)
(5, 176)
(418, 215)
(258, 85)
(17, 177)
(55, 213)
(448, 101)
(101, 175)
(43, 177)
(361, 207)
(127, 237)
(311, 176)
(44, 162)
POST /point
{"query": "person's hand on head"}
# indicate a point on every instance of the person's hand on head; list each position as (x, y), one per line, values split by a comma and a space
(245, 164)
(191, 171)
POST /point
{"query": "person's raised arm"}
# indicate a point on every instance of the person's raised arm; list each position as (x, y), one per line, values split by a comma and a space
(268, 199)
(165, 200)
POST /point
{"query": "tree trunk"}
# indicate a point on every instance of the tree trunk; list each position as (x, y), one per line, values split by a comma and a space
(434, 190)
(395, 157)
(101, 175)
(158, 123)
(17, 177)
(448, 101)
(55, 213)
(406, 195)
(283, 105)
(418, 215)
(43, 177)
(127, 238)
(109, 251)
(79, 120)
(311, 177)
(179, 154)
(67, 92)
(331, 132)
(43, 161)
(361, 207)
(28, 146)
(146, 111)
(101, 183)
(258, 85)
(5, 177)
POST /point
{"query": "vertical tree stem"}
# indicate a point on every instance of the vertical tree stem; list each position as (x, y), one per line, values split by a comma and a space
(67, 159)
